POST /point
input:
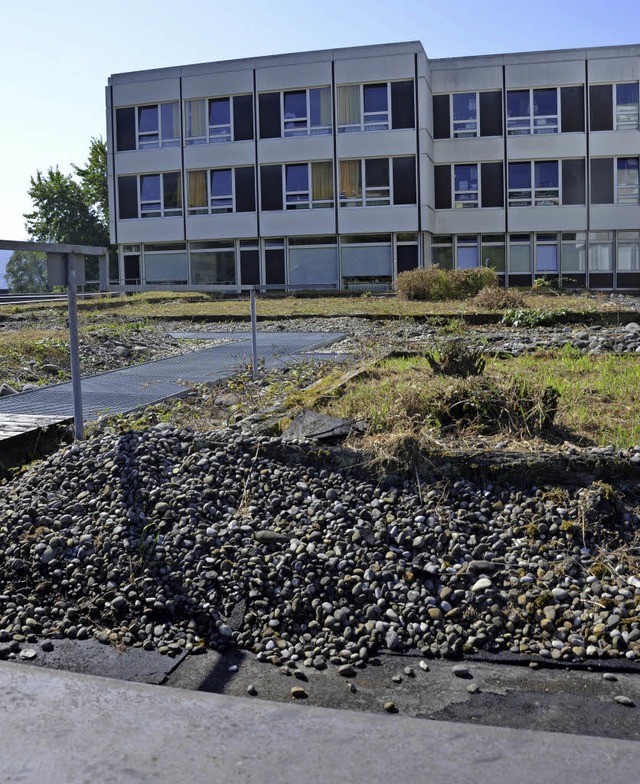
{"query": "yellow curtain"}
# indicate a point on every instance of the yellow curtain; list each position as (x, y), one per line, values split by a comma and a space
(350, 179)
(196, 118)
(325, 106)
(322, 180)
(197, 189)
(175, 120)
(349, 104)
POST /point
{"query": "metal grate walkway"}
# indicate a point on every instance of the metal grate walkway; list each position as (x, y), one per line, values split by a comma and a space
(120, 391)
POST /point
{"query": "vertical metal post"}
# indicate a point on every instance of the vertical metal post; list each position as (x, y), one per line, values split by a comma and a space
(78, 424)
(254, 334)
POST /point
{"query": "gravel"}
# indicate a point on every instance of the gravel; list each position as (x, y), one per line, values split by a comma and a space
(172, 540)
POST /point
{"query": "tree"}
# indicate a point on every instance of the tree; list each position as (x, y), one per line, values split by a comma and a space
(93, 180)
(27, 271)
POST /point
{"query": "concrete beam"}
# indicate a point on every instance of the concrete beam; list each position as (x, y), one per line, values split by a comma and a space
(53, 247)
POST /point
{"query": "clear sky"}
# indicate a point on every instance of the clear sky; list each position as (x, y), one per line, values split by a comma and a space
(55, 58)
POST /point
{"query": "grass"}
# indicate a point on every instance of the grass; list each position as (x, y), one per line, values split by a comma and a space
(596, 406)
(198, 304)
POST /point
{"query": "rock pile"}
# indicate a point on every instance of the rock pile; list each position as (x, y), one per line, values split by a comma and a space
(168, 539)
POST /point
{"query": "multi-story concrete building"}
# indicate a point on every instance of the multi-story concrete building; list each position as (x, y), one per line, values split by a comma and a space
(343, 168)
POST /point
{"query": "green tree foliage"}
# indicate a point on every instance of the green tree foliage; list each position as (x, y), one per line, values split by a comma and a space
(27, 271)
(93, 180)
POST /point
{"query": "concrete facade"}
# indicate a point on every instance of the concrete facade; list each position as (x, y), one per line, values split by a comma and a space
(374, 160)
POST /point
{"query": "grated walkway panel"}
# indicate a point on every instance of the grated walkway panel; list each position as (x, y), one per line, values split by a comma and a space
(120, 391)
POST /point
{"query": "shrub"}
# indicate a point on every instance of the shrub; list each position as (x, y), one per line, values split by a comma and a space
(454, 358)
(496, 298)
(434, 284)
(533, 317)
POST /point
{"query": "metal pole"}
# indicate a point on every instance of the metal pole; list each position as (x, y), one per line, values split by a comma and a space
(78, 423)
(254, 334)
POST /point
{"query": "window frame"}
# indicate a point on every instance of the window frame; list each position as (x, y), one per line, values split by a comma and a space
(534, 195)
(361, 127)
(159, 141)
(302, 204)
(372, 195)
(209, 208)
(470, 133)
(208, 137)
(525, 124)
(455, 192)
(307, 129)
(628, 125)
(618, 187)
(161, 211)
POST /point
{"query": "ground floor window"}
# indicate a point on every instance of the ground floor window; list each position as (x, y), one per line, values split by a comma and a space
(213, 263)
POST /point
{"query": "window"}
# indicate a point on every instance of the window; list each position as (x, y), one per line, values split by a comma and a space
(442, 251)
(532, 111)
(378, 182)
(214, 120)
(493, 252)
(466, 185)
(381, 106)
(367, 258)
(546, 253)
(221, 191)
(629, 251)
(149, 196)
(466, 252)
(148, 127)
(313, 261)
(573, 254)
(601, 251)
(213, 262)
(613, 106)
(519, 253)
(465, 115)
(627, 106)
(546, 190)
(165, 263)
(306, 186)
(627, 181)
(295, 113)
(572, 106)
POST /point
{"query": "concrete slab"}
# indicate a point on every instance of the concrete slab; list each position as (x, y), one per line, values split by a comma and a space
(67, 728)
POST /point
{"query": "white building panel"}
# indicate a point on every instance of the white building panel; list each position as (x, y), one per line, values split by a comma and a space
(456, 80)
(546, 146)
(214, 227)
(552, 219)
(141, 92)
(548, 73)
(624, 143)
(148, 161)
(375, 144)
(217, 84)
(375, 69)
(150, 230)
(295, 148)
(217, 156)
(487, 221)
(372, 220)
(606, 217)
(297, 223)
(425, 107)
(614, 69)
(285, 77)
(482, 148)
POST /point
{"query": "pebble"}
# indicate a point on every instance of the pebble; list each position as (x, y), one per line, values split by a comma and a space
(460, 671)
(298, 693)
(622, 699)
(251, 690)
(390, 707)
(473, 688)
(28, 653)
(609, 676)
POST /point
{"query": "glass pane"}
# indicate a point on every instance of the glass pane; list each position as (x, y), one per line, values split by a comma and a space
(519, 258)
(467, 257)
(150, 187)
(629, 256)
(320, 107)
(627, 94)
(601, 257)
(573, 256)
(545, 102)
(295, 105)
(375, 98)
(464, 106)
(518, 103)
(297, 177)
(219, 111)
(148, 119)
(547, 258)
(214, 267)
(221, 182)
(519, 175)
(466, 177)
(377, 172)
(494, 256)
(546, 174)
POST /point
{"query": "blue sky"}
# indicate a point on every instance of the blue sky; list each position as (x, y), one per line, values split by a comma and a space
(55, 58)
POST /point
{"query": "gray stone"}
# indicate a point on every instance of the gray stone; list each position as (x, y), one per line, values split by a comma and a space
(622, 699)
(310, 424)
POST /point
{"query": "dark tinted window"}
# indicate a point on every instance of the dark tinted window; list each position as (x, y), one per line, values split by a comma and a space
(600, 107)
(132, 269)
(402, 111)
(442, 176)
(602, 181)
(441, 118)
(376, 172)
(172, 191)
(125, 129)
(407, 257)
(572, 105)
(245, 189)
(269, 107)
(127, 197)
(573, 181)
(404, 180)
(491, 113)
(249, 267)
(492, 184)
(242, 117)
(274, 265)
(271, 187)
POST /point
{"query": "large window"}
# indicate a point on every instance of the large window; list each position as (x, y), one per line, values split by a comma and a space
(519, 253)
(573, 254)
(467, 252)
(442, 251)
(313, 261)
(546, 253)
(628, 251)
(493, 252)
(297, 186)
(148, 127)
(532, 111)
(627, 181)
(613, 106)
(469, 114)
(165, 263)
(214, 120)
(544, 177)
(295, 113)
(381, 106)
(150, 196)
(367, 258)
(216, 191)
(601, 251)
(213, 262)
(466, 185)
(465, 115)
(378, 182)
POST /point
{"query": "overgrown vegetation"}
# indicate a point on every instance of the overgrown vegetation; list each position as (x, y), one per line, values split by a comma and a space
(436, 284)
(454, 358)
(533, 317)
(498, 298)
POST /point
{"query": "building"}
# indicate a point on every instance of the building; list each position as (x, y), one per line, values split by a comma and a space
(343, 168)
